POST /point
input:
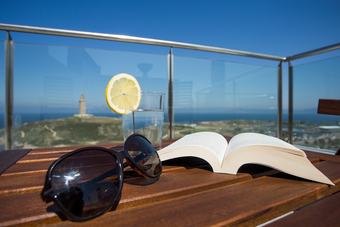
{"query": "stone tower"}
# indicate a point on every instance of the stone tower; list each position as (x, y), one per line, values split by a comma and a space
(82, 108)
(82, 105)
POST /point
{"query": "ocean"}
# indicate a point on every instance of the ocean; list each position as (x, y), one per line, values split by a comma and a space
(184, 117)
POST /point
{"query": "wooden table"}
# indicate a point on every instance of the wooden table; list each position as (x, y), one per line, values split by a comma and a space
(187, 194)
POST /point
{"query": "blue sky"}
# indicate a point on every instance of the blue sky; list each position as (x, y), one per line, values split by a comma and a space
(281, 27)
(272, 27)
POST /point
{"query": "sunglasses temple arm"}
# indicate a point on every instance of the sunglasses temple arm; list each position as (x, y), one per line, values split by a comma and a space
(103, 176)
(47, 195)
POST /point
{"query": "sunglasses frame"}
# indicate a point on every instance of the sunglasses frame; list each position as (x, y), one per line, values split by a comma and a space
(48, 195)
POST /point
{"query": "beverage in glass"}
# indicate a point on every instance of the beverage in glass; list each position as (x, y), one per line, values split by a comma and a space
(148, 119)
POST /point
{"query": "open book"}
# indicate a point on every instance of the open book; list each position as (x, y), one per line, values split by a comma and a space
(244, 148)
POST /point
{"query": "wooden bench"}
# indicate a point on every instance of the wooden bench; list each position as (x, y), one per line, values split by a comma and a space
(187, 194)
(329, 106)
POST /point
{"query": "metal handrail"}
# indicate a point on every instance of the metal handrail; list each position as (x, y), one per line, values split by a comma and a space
(313, 52)
(133, 39)
(156, 42)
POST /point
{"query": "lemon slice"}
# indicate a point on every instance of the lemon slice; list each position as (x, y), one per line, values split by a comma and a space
(123, 93)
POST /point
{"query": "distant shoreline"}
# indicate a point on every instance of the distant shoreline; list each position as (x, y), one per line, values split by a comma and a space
(183, 117)
(66, 129)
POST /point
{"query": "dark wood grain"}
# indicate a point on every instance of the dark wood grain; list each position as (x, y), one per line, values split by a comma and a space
(329, 106)
(171, 184)
(40, 159)
(187, 194)
(27, 167)
(324, 212)
(249, 203)
(34, 180)
(322, 157)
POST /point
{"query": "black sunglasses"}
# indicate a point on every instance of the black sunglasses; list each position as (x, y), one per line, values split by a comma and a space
(87, 182)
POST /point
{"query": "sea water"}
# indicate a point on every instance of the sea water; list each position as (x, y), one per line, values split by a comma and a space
(146, 123)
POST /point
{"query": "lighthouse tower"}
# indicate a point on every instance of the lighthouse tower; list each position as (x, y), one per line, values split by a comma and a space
(82, 108)
(82, 105)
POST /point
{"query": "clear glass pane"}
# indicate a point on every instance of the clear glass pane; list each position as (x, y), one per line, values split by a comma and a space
(313, 81)
(212, 94)
(49, 81)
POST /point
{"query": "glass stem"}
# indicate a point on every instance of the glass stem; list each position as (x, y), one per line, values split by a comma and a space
(133, 122)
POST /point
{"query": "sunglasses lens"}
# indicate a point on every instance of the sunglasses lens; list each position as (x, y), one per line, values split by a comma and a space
(143, 155)
(87, 183)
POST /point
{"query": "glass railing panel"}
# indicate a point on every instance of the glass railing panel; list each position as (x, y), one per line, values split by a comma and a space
(49, 81)
(214, 94)
(2, 91)
(313, 81)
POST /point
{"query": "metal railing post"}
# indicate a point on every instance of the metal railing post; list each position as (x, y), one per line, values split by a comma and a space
(9, 92)
(279, 101)
(170, 93)
(290, 103)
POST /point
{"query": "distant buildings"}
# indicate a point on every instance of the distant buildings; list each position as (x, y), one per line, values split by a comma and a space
(330, 128)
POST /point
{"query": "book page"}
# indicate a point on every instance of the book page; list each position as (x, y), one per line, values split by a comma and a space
(250, 139)
(274, 157)
(212, 144)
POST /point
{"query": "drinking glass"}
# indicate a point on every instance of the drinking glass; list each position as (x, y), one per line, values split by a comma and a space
(148, 119)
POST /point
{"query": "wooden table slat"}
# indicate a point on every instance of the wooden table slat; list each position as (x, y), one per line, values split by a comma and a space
(171, 184)
(186, 194)
(251, 203)
(323, 157)
(311, 214)
(18, 181)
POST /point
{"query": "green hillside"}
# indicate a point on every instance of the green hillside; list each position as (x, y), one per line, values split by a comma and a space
(69, 131)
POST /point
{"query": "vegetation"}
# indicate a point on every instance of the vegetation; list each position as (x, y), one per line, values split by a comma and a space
(95, 130)
(69, 131)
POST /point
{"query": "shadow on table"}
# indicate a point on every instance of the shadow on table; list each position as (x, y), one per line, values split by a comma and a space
(253, 169)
